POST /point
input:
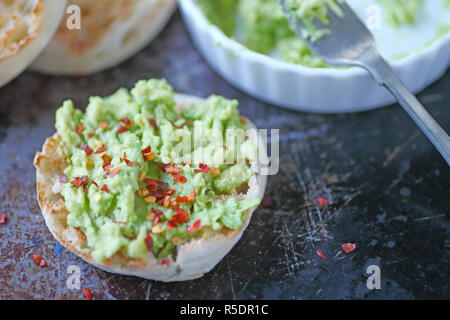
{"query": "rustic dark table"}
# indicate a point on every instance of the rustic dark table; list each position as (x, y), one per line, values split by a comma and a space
(388, 192)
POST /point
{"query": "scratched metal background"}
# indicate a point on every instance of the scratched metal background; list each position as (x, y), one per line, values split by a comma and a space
(388, 191)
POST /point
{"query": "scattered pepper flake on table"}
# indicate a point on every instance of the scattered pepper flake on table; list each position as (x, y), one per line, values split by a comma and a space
(87, 294)
(323, 203)
(2, 218)
(39, 261)
(348, 247)
(267, 201)
(320, 254)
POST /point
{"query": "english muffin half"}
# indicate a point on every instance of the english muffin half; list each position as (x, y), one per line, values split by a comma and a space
(111, 31)
(26, 26)
(158, 217)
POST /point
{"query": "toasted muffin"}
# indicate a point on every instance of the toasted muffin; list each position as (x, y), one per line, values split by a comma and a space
(26, 26)
(192, 257)
(111, 31)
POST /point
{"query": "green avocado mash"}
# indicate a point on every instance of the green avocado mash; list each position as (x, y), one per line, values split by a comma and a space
(400, 12)
(129, 187)
(261, 26)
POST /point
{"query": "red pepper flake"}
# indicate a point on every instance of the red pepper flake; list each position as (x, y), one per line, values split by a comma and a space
(63, 179)
(86, 148)
(322, 202)
(149, 242)
(194, 227)
(165, 261)
(267, 202)
(122, 129)
(151, 182)
(192, 195)
(80, 128)
(179, 178)
(171, 170)
(171, 225)
(95, 183)
(163, 185)
(126, 121)
(105, 188)
(162, 166)
(320, 254)
(170, 192)
(180, 199)
(103, 125)
(156, 216)
(87, 294)
(203, 168)
(2, 218)
(101, 150)
(107, 167)
(79, 181)
(348, 247)
(153, 124)
(37, 259)
(114, 172)
(181, 216)
(146, 150)
(127, 162)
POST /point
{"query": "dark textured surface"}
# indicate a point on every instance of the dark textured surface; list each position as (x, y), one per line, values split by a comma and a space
(388, 191)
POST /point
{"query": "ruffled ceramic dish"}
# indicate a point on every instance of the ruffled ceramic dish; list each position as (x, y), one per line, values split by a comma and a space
(325, 90)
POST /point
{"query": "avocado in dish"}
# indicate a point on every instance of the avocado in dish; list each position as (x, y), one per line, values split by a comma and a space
(126, 186)
(260, 25)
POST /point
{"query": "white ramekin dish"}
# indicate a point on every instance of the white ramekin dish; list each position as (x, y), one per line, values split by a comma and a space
(307, 89)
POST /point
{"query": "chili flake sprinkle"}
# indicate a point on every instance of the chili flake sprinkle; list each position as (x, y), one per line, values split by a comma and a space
(114, 172)
(194, 227)
(101, 150)
(203, 168)
(103, 125)
(322, 202)
(170, 225)
(149, 242)
(127, 162)
(87, 294)
(105, 188)
(79, 181)
(181, 216)
(63, 179)
(80, 128)
(171, 170)
(348, 247)
(2, 218)
(267, 202)
(38, 260)
(122, 129)
(126, 121)
(153, 124)
(320, 254)
(178, 177)
(86, 148)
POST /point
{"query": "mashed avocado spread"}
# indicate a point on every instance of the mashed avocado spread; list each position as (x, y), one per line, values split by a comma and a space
(130, 189)
(261, 26)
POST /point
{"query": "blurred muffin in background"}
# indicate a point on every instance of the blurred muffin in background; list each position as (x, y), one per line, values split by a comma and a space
(110, 32)
(26, 26)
